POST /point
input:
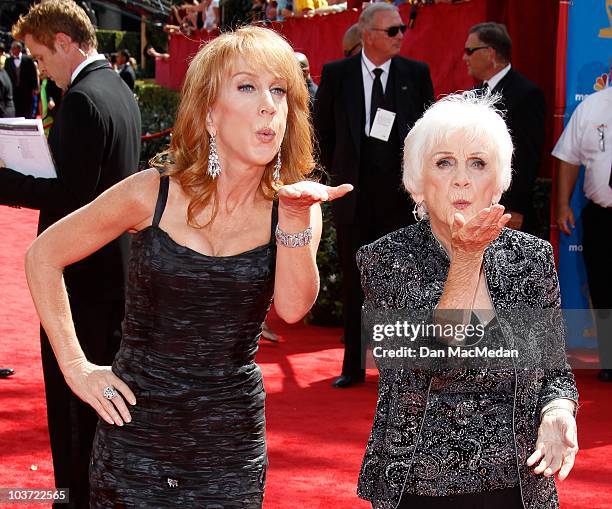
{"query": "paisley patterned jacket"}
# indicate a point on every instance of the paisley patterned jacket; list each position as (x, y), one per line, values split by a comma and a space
(407, 269)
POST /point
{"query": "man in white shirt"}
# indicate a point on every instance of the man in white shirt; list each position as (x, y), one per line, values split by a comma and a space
(487, 54)
(587, 141)
(125, 69)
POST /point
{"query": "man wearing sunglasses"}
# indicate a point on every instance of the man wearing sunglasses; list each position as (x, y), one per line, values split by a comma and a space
(587, 140)
(351, 42)
(487, 54)
(364, 107)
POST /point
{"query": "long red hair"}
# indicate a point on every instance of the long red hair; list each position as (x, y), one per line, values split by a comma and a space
(187, 157)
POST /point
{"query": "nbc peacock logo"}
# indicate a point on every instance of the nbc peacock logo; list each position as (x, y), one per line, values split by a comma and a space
(602, 82)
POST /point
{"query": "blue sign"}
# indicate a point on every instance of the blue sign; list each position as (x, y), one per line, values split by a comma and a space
(589, 61)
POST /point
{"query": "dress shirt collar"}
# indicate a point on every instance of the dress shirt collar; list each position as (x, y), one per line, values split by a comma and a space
(90, 59)
(493, 81)
(370, 66)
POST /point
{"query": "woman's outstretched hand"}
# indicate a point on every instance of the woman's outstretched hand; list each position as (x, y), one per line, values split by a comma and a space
(476, 234)
(299, 197)
(88, 382)
(556, 446)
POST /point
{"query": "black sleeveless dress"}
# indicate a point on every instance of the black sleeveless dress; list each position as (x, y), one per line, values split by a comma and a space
(190, 334)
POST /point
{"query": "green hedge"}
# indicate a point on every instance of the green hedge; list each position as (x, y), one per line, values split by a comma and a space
(327, 311)
(109, 41)
(158, 111)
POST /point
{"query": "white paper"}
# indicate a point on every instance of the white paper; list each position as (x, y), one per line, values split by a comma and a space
(24, 148)
(383, 123)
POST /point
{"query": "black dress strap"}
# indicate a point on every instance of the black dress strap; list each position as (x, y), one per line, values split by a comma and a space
(274, 221)
(162, 198)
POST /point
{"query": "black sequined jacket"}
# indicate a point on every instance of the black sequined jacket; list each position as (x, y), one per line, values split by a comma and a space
(408, 269)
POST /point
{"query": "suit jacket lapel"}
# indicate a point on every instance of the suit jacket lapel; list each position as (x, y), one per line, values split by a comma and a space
(403, 98)
(94, 66)
(354, 101)
(503, 82)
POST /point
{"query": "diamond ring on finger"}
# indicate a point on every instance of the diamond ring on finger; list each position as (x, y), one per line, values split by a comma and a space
(109, 392)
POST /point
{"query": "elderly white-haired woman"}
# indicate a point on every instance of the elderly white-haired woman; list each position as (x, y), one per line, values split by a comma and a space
(465, 437)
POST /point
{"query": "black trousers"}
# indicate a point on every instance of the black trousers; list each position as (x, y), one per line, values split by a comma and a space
(350, 238)
(382, 207)
(72, 423)
(597, 225)
(499, 499)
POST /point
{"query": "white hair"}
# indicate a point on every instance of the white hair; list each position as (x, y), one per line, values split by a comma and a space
(366, 18)
(476, 117)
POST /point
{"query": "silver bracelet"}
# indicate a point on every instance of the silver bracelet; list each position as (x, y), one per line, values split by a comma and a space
(299, 239)
(557, 407)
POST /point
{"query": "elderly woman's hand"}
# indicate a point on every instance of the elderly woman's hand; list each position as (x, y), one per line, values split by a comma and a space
(299, 197)
(557, 444)
(473, 236)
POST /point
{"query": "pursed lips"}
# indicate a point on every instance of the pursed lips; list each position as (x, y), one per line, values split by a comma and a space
(266, 135)
(461, 204)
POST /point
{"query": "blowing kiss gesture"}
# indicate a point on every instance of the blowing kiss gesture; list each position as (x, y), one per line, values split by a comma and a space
(298, 234)
(475, 234)
(296, 199)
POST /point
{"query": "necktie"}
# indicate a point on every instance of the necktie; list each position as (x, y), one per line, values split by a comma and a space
(17, 71)
(378, 96)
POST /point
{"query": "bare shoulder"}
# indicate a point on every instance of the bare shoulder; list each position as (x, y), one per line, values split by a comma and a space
(143, 185)
(139, 193)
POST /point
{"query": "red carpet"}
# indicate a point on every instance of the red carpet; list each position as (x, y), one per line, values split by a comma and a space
(316, 435)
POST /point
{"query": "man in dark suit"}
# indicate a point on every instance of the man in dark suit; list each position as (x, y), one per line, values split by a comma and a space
(126, 71)
(95, 142)
(7, 108)
(351, 41)
(487, 54)
(22, 71)
(305, 66)
(355, 96)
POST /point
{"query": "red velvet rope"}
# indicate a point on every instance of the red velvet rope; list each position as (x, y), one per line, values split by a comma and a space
(160, 134)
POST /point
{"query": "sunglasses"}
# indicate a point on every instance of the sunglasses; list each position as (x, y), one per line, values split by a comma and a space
(349, 52)
(392, 31)
(601, 130)
(470, 51)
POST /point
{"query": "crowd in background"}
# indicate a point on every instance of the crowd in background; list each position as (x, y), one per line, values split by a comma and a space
(189, 17)
(27, 92)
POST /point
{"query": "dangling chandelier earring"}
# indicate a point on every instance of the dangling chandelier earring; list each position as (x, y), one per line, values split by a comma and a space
(214, 168)
(277, 167)
(419, 211)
